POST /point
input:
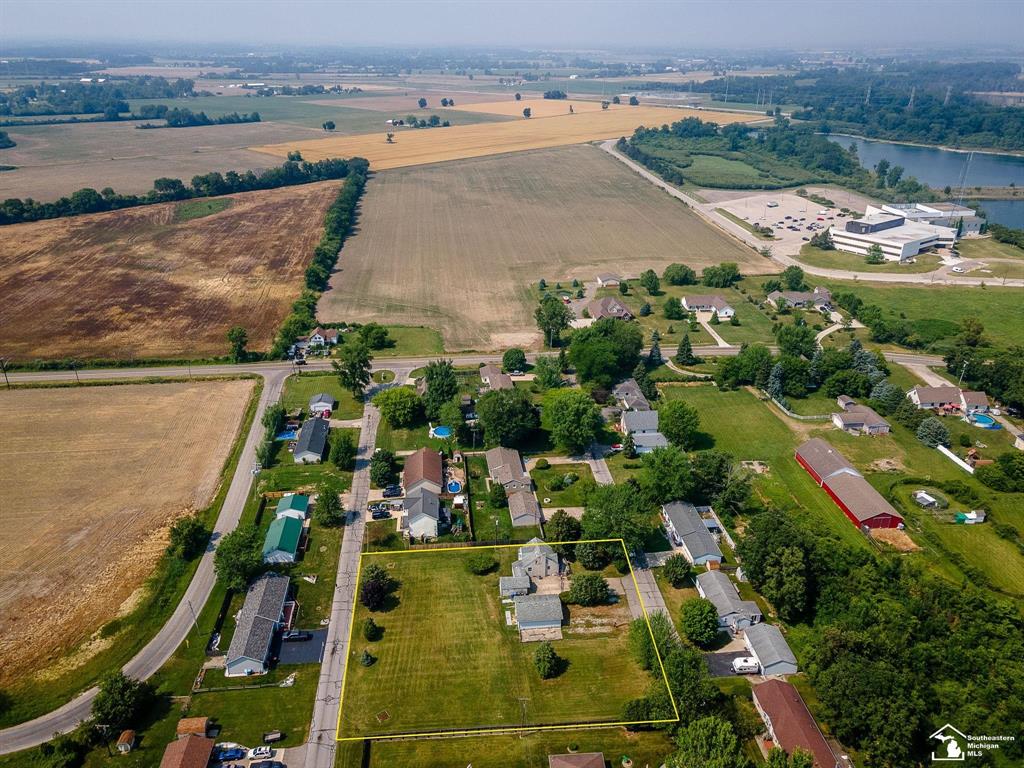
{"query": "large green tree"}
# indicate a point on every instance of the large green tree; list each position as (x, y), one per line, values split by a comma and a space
(399, 406)
(507, 416)
(353, 367)
(709, 742)
(573, 419)
(552, 316)
(617, 512)
(239, 557)
(605, 351)
(442, 386)
(120, 701)
(679, 422)
(665, 475)
(238, 339)
(698, 619)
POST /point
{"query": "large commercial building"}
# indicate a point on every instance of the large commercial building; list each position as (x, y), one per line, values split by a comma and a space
(900, 236)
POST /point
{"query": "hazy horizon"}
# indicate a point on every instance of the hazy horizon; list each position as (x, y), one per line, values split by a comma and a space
(791, 24)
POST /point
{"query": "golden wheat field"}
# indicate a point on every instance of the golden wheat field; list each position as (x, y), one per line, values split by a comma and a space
(93, 477)
(434, 145)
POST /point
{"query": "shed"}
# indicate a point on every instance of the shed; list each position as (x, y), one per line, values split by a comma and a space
(766, 644)
(512, 586)
(199, 725)
(293, 505)
(577, 760)
(311, 441)
(538, 611)
(790, 724)
(322, 404)
(686, 529)
(281, 544)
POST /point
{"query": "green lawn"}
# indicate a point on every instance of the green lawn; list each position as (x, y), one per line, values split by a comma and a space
(926, 262)
(987, 248)
(411, 341)
(302, 386)
(569, 497)
(1000, 309)
(245, 715)
(622, 468)
(749, 429)
(448, 660)
(197, 209)
(674, 598)
(743, 223)
(406, 438)
(383, 536)
(320, 560)
(645, 748)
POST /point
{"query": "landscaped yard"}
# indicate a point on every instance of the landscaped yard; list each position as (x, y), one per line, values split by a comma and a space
(571, 496)
(298, 389)
(491, 523)
(447, 660)
(816, 257)
(411, 341)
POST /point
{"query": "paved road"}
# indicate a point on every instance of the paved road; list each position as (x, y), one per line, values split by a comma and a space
(707, 211)
(162, 646)
(323, 728)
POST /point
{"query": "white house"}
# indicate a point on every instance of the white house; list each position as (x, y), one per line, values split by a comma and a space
(708, 303)
(643, 427)
(423, 513)
(293, 505)
(322, 404)
(766, 644)
(323, 337)
(687, 530)
(734, 614)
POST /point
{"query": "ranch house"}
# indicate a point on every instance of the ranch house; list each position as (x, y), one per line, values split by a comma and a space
(734, 614)
(766, 644)
(311, 442)
(293, 505)
(708, 303)
(281, 544)
(687, 530)
(262, 614)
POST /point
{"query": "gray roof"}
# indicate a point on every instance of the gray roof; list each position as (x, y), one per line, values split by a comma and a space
(264, 603)
(322, 399)
(423, 501)
(717, 588)
(650, 440)
(645, 421)
(505, 465)
(523, 507)
(529, 553)
(538, 608)
(506, 583)
(825, 460)
(629, 394)
(860, 414)
(312, 437)
(768, 644)
(689, 526)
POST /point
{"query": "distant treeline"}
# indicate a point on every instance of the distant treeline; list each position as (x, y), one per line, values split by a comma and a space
(556, 94)
(71, 98)
(15, 210)
(186, 118)
(338, 224)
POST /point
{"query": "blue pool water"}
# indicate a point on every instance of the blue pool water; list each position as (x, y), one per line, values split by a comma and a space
(984, 421)
(454, 486)
(288, 434)
(442, 431)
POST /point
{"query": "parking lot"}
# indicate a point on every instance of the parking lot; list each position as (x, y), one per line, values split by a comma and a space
(793, 219)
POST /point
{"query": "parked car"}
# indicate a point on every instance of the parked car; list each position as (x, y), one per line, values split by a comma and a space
(293, 636)
(300, 361)
(745, 665)
(380, 514)
(392, 490)
(268, 764)
(958, 270)
(257, 753)
(233, 753)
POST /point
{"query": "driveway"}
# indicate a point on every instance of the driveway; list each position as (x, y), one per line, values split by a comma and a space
(305, 652)
(720, 664)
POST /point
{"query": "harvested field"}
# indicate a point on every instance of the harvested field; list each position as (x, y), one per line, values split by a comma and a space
(462, 141)
(137, 283)
(539, 107)
(55, 160)
(89, 496)
(402, 101)
(460, 246)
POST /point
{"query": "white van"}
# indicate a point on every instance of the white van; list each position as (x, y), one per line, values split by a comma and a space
(745, 665)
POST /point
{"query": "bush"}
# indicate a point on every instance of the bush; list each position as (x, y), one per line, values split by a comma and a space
(587, 589)
(677, 570)
(343, 450)
(481, 563)
(964, 440)
(372, 631)
(497, 497)
(383, 469)
(188, 538)
(513, 360)
(933, 432)
(591, 556)
(699, 621)
(327, 511)
(547, 661)
(542, 464)
(366, 659)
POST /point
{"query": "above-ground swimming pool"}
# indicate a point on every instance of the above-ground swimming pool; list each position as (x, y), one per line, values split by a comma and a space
(288, 434)
(984, 421)
(441, 431)
(454, 486)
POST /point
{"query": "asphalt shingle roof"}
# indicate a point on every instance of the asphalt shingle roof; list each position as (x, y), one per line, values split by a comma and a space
(768, 645)
(530, 608)
(640, 421)
(689, 527)
(717, 588)
(254, 630)
(312, 437)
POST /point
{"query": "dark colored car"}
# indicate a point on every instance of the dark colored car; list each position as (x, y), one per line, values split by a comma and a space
(300, 361)
(234, 753)
(391, 491)
(380, 514)
(296, 636)
(268, 764)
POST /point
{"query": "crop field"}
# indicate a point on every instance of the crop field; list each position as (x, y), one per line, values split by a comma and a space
(139, 283)
(538, 107)
(457, 247)
(448, 660)
(462, 141)
(88, 499)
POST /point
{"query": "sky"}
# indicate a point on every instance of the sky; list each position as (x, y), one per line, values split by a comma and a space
(696, 24)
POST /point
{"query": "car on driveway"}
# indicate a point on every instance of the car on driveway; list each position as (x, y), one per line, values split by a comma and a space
(958, 270)
(294, 636)
(257, 753)
(380, 514)
(231, 753)
(392, 490)
(268, 764)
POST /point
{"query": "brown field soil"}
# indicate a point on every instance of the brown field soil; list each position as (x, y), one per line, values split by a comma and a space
(92, 479)
(55, 160)
(462, 141)
(136, 284)
(539, 107)
(459, 247)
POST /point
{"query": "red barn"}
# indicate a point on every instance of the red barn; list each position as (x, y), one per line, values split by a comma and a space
(860, 502)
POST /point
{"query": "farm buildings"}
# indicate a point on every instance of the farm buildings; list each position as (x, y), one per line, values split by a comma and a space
(861, 503)
(859, 419)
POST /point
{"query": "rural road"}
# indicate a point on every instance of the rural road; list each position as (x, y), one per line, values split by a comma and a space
(153, 656)
(171, 635)
(708, 213)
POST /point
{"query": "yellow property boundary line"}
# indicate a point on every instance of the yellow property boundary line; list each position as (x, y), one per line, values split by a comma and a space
(510, 728)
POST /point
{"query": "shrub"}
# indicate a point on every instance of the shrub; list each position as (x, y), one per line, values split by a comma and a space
(677, 570)
(366, 659)
(542, 464)
(699, 621)
(588, 589)
(481, 563)
(497, 497)
(547, 661)
(933, 432)
(372, 631)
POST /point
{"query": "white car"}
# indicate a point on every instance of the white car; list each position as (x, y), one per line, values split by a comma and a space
(260, 753)
(958, 270)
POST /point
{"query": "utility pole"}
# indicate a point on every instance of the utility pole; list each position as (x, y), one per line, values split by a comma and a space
(963, 370)
(867, 96)
(3, 367)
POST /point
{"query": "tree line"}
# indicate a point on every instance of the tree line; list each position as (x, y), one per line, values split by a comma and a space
(186, 118)
(73, 98)
(293, 172)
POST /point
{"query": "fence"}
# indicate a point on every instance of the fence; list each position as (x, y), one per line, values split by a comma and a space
(785, 410)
